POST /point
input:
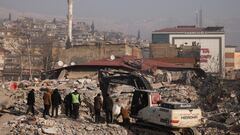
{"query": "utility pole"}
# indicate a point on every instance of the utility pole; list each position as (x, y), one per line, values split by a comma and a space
(21, 64)
(29, 57)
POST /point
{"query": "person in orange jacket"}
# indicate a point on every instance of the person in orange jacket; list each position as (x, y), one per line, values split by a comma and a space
(47, 102)
(125, 116)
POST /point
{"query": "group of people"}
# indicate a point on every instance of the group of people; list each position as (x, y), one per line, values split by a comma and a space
(72, 102)
(53, 99)
(107, 105)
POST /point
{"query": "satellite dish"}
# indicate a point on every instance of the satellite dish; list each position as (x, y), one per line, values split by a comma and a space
(112, 57)
(60, 63)
(72, 63)
(65, 65)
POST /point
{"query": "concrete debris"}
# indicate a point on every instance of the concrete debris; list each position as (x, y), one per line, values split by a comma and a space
(219, 99)
(26, 124)
(50, 131)
(89, 128)
(179, 93)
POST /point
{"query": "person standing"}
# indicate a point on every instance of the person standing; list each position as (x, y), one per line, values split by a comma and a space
(76, 101)
(125, 116)
(68, 104)
(56, 101)
(97, 107)
(108, 106)
(31, 102)
(47, 102)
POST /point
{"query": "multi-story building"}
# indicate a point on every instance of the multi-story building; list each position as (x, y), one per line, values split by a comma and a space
(237, 60)
(232, 63)
(12, 67)
(229, 58)
(210, 39)
(3, 53)
(232, 58)
(1, 40)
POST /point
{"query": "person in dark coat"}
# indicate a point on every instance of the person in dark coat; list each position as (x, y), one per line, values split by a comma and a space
(97, 107)
(76, 101)
(56, 101)
(68, 104)
(108, 106)
(47, 102)
(31, 102)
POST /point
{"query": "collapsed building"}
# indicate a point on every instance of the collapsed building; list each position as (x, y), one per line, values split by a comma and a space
(128, 63)
(217, 98)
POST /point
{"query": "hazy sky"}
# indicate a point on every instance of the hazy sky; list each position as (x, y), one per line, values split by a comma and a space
(147, 15)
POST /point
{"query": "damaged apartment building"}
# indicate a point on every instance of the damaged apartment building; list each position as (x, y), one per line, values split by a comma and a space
(26, 50)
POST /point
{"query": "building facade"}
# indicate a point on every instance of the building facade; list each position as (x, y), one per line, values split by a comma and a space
(229, 58)
(96, 51)
(232, 58)
(210, 39)
(237, 60)
(3, 54)
(162, 51)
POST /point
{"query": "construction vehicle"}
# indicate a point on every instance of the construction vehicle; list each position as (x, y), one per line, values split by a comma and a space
(147, 106)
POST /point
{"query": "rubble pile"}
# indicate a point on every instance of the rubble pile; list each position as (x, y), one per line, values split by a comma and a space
(60, 126)
(218, 99)
(179, 93)
(26, 124)
(176, 86)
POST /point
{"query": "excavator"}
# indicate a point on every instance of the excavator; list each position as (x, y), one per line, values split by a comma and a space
(148, 108)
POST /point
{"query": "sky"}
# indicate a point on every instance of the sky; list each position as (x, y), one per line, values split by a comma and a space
(129, 16)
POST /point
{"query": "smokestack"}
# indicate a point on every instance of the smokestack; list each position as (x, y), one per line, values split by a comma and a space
(70, 20)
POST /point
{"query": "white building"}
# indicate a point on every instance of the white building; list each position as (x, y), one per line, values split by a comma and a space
(210, 39)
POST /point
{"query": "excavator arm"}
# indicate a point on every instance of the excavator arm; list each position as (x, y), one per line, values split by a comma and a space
(106, 77)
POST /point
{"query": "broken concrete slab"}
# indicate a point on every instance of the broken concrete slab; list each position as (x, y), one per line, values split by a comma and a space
(230, 120)
(50, 131)
(219, 125)
(235, 128)
(89, 128)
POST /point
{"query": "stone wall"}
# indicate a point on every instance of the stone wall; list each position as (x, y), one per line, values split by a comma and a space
(162, 51)
(85, 53)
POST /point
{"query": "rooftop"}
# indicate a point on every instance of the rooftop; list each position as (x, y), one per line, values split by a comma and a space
(230, 46)
(176, 60)
(193, 28)
(132, 63)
